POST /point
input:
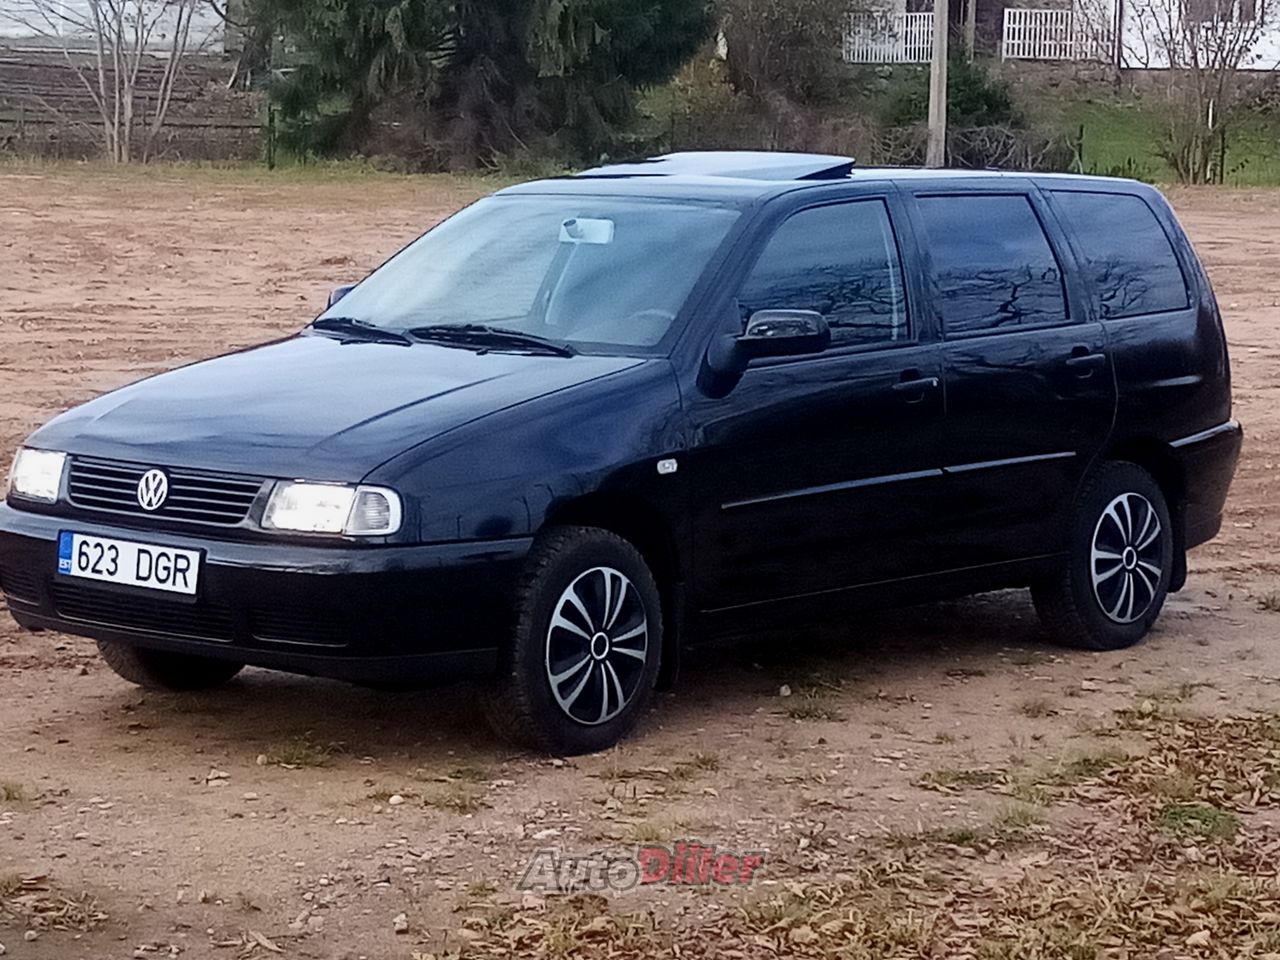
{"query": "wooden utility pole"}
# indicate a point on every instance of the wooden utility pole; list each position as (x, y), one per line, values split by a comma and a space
(936, 155)
(970, 28)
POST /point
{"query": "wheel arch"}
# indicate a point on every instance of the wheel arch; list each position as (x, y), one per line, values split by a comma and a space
(647, 529)
(1159, 460)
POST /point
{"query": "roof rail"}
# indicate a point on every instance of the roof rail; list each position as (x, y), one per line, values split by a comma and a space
(738, 164)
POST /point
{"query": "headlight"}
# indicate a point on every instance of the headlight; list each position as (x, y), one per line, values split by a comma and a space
(333, 508)
(37, 474)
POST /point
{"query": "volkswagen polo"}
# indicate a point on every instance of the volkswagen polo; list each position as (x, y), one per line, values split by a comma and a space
(587, 419)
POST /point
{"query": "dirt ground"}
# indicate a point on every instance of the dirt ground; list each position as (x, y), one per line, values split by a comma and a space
(939, 782)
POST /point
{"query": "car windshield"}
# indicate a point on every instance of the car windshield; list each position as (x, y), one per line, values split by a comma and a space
(601, 271)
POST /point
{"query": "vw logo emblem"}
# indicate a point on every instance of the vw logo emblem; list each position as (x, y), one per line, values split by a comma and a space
(153, 490)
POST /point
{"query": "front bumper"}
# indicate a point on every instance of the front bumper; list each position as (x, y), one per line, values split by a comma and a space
(367, 614)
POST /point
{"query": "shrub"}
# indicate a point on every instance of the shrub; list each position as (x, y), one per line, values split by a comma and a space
(974, 98)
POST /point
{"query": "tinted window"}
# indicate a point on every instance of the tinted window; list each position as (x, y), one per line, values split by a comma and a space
(840, 260)
(1130, 259)
(992, 264)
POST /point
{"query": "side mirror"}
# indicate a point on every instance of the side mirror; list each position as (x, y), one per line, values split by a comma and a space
(784, 333)
(337, 293)
(769, 333)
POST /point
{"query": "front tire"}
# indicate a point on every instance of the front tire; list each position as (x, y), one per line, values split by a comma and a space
(1119, 564)
(584, 656)
(160, 670)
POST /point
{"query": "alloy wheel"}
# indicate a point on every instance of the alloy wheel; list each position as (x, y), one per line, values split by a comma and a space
(1125, 557)
(597, 646)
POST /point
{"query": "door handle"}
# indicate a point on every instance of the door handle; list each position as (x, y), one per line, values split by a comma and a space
(918, 383)
(915, 385)
(1083, 363)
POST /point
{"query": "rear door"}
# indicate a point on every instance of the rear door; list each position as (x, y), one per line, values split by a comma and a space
(817, 473)
(1162, 343)
(1030, 393)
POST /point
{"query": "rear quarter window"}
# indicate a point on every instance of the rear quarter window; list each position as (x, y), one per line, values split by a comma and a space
(1126, 253)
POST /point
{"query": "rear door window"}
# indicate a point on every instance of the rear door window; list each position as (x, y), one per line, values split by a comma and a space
(1128, 254)
(840, 260)
(992, 265)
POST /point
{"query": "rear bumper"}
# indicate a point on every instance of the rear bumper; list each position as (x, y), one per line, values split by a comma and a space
(1207, 462)
(373, 614)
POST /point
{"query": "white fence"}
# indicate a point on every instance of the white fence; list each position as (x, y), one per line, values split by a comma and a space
(888, 38)
(66, 24)
(1052, 35)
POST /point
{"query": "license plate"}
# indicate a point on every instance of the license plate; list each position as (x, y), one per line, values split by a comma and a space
(127, 563)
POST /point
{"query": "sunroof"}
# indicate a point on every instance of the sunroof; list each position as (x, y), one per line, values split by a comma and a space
(738, 164)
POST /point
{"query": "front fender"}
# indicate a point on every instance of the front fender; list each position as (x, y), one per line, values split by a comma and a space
(504, 474)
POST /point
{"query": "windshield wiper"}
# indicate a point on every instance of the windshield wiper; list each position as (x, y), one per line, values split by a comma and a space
(363, 329)
(484, 336)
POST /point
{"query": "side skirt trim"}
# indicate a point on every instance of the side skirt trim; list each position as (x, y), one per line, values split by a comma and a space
(831, 591)
(1010, 462)
(893, 478)
(832, 488)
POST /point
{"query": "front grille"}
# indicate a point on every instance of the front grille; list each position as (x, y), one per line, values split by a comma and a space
(296, 625)
(194, 496)
(200, 621)
(20, 585)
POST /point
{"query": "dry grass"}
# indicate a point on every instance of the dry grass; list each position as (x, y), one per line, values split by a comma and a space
(1081, 767)
(1175, 693)
(301, 753)
(384, 794)
(645, 831)
(1011, 826)
(811, 704)
(1198, 820)
(1018, 816)
(928, 902)
(1038, 709)
(1134, 872)
(1233, 763)
(952, 780)
(36, 904)
(480, 889)
(455, 796)
(699, 763)
(682, 770)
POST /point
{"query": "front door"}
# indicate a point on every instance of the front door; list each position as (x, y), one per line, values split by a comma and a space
(819, 473)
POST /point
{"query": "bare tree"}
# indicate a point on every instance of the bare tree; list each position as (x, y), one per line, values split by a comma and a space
(1094, 30)
(1207, 47)
(786, 48)
(108, 44)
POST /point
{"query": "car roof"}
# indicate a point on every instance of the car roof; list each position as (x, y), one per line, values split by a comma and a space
(741, 176)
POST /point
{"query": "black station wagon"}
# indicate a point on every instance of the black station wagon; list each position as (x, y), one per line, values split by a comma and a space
(587, 419)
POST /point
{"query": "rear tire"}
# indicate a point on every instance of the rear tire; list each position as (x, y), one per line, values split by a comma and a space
(583, 658)
(1119, 563)
(160, 670)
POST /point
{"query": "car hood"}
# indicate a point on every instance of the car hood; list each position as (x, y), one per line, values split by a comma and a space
(310, 406)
